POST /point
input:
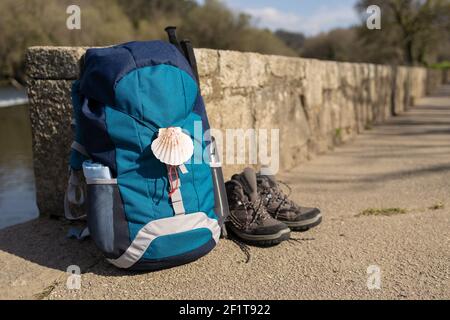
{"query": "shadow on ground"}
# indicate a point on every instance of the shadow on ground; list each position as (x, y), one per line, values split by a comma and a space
(44, 241)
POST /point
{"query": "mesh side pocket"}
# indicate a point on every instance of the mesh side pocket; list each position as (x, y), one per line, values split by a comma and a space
(106, 219)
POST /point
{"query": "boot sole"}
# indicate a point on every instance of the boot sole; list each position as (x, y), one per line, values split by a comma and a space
(304, 225)
(263, 240)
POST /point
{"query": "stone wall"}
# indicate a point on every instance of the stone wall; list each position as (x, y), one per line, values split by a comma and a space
(315, 104)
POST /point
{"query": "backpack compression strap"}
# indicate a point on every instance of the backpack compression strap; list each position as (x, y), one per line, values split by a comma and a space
(175, 192)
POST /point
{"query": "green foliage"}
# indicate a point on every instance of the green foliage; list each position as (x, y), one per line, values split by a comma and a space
(293, 40)
(441, 65)
(412, 32)
(381, 212)
(149, 10)
(338, 45)
(105, 22)
(30, 23)
(214, 26)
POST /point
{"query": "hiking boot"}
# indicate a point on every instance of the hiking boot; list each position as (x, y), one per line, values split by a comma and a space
(283, 209)
(248, 219)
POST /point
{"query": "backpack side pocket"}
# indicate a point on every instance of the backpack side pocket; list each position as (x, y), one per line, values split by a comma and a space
(106, 218)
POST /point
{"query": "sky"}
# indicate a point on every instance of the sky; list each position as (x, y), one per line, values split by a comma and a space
(307, 16)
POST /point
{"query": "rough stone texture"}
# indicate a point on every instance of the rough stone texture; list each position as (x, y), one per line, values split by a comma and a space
(314, 104)
(50, 112)
(53, 62)
(435, 79)
(446, 76)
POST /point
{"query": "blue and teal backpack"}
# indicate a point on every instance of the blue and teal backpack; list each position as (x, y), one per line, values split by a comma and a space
(136, 216)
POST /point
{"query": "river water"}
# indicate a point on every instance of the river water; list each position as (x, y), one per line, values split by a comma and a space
(17, 188)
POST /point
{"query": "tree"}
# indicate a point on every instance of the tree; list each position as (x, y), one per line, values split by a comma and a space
(294, 40)
(412, 30)
(149, 10)
(338, 44)
(213, 25)
(33, 22)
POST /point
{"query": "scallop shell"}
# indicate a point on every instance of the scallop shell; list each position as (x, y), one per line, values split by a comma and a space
(173, 146)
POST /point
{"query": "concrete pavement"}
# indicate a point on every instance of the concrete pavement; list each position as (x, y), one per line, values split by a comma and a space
(403, 164)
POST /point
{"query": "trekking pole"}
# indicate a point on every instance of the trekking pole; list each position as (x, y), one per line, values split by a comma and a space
(220, 194)
(172, 35)
(188, 51)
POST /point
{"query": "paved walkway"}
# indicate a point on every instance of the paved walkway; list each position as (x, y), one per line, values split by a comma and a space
(403, 164)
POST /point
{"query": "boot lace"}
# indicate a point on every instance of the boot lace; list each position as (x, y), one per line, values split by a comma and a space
(256, 209)
(259, 213)
(275, 194)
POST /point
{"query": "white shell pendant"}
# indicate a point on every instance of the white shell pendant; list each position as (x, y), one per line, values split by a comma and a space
(173, 146)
